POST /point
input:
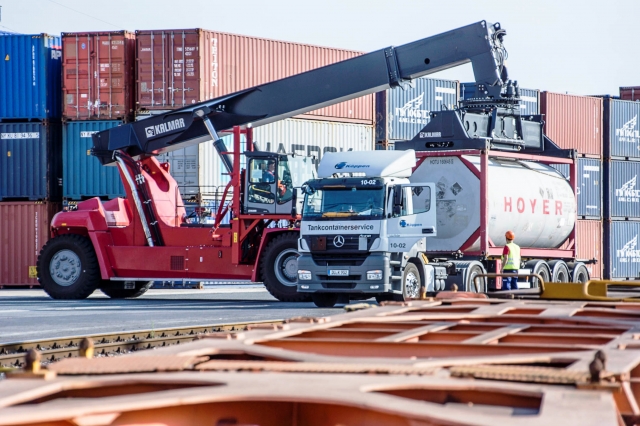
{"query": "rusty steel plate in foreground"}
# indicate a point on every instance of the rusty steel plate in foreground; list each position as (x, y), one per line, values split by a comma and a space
(463, 361)
(281, 399)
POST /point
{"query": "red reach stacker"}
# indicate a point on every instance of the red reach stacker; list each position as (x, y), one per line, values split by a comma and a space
(121, 246)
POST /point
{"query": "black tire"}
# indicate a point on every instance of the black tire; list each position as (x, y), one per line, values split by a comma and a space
(72, 261)
(559, 271)
(325, 300)
(411, 284)
(579, 273)
(277, 271)
(116, 290)
(541, 268)
(472, 271)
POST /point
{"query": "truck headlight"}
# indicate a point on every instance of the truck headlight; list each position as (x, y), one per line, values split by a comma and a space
(304, 275)
(373, 275)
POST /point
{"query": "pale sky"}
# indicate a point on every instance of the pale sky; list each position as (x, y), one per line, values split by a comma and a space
(568, 46)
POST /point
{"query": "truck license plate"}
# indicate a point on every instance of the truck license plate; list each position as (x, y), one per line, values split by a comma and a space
(338, 272)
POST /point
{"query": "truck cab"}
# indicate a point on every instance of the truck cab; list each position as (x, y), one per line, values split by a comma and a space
(364, 229)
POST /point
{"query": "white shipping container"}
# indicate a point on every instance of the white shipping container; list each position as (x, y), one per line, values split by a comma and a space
(199, 170)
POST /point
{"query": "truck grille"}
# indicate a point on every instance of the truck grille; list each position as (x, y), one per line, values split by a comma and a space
(338, 260)
(350, 243)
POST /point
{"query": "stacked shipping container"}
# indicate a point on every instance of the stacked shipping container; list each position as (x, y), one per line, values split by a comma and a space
(621, 193)
(177, 68)
(575, 122)
(98, 71)
(30, 149)
(402, 112)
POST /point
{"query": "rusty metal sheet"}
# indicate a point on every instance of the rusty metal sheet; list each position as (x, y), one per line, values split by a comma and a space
(124, 364)
(274, 399)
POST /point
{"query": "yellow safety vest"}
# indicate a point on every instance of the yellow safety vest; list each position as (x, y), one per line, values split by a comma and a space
(513, 259)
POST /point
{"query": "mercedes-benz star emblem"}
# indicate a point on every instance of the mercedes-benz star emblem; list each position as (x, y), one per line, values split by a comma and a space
(338, 241)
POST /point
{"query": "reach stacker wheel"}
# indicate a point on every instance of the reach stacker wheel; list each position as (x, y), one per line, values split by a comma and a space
(279, 268)
(125, 289)
(68, 267)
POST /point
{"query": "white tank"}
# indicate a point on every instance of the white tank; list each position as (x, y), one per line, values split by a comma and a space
(531, 199)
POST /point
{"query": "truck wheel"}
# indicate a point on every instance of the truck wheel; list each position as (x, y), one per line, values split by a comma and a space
(482, 282)
(541, 268)
(411, 283)
(279, 269)
(559, 271)
(324, 300)
(580, 273)
(68, 267)
(116, 290)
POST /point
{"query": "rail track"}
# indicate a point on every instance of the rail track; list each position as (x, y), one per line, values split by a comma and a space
(111, 344)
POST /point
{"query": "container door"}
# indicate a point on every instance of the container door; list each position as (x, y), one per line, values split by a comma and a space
(260, 194)
(413, 215)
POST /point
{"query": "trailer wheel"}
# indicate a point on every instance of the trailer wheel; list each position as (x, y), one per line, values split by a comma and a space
(580, 273)
(116, 290)
(68, 267)
(559, 271)
(324, 300)
(541, 268)
(279, 268)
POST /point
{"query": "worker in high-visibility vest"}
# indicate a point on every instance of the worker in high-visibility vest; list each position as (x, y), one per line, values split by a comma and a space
(510, 262)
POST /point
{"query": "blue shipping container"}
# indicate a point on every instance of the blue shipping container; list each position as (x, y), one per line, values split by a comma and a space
(621, 253)
(30, 161)
(530, 98)
(30, 76)
(621, 129)
(83, 176)
(402, 113)
(589, 186)
(621, 192)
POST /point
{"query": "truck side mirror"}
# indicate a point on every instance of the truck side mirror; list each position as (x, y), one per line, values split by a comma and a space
(397, 200)
(294, 203)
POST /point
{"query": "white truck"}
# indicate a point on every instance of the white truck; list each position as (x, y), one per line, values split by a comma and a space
(392, 224)
(364, 229)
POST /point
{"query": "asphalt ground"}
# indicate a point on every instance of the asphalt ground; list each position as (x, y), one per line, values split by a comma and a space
(32, 314)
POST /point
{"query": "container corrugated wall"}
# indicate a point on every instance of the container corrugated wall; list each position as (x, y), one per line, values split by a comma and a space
(212, 64)
(621, 190)
(30, 74)
(199, 170)
(621, 129)
(573, 122)
(30, 161)
(402, 113)
(590, 245)
(24, 229)
(589, 186)
(530, 98)
(622, 256)
(83, 175)
(630, 93)
(98, 71)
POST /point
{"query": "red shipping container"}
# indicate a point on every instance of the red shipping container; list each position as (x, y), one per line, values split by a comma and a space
(98, 75)
(24, 229)
(589, 244)
(630, 93)
(573, 122)
(178, 68)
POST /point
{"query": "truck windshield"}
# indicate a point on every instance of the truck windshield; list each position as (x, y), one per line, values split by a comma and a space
(351, 203)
